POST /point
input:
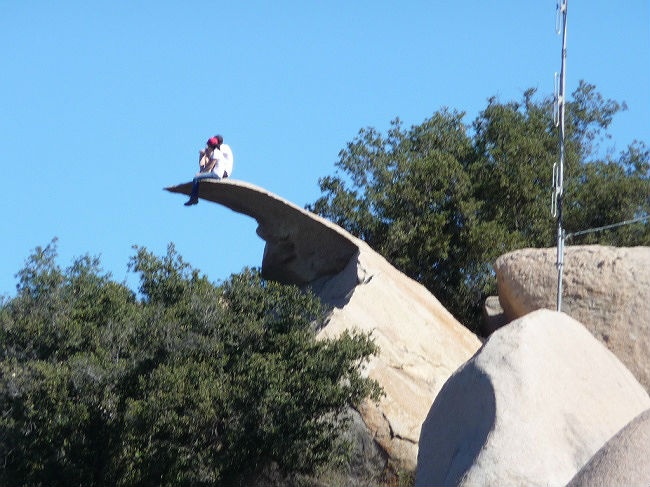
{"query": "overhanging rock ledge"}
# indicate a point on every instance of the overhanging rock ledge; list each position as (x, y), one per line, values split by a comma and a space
(421, 344)
(300, 246)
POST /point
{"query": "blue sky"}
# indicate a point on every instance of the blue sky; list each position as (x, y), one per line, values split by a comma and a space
(103, 104)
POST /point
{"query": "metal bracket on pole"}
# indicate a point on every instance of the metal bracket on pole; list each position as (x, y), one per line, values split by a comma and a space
(558, 169)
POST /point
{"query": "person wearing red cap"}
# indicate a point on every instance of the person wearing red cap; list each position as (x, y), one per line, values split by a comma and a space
(215, 162)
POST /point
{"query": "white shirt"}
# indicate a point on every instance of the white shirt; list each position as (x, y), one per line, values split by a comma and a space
(225, 161)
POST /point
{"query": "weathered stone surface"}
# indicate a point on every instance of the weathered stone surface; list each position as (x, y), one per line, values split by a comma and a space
(421, 346)
(300, 247)
(624, 460)
(493, 316)
(421, 343)
(605, 288)
(366, 458)
(530, 408)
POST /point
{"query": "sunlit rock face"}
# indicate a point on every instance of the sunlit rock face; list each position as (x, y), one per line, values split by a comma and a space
(622, 461)
(531, 407)
(605, 288)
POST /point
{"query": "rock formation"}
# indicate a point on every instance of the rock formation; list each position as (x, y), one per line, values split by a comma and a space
(605, 288)
(623, 460)
(421, 343)
(493, 316)
(530, 408)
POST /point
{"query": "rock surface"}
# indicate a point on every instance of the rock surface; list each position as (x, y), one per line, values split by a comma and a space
(299, 248)
(605, 288)
(421, 343)
(421, 346)
(624, 459)
(530, 408)
(493, 316)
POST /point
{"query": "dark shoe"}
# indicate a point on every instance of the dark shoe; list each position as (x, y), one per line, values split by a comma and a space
(191, 202)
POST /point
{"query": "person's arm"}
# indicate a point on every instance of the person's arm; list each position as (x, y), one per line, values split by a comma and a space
(203, 160)
(210, 160)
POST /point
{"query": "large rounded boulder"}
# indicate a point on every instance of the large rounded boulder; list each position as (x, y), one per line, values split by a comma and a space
(624, 459)
(532, 407)
(605, 288)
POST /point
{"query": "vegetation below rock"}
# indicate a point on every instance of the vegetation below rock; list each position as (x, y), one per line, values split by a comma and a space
(185, 383)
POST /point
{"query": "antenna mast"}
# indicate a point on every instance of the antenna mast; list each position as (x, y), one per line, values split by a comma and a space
(558, 169)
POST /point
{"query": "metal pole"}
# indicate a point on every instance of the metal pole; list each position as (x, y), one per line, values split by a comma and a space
(559, 183)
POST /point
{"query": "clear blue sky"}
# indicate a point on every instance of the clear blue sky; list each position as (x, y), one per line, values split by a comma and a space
(102, 104)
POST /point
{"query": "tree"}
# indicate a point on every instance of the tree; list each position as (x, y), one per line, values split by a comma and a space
(409, 197)
(612, 191)
(442, 200)
(185, 383)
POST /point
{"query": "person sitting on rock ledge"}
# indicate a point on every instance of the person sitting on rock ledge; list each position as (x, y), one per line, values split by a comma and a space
(215, 162)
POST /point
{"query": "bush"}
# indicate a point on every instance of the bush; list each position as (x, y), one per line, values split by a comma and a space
(186, 382)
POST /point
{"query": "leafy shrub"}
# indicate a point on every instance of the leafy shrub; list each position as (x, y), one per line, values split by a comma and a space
(185, 382)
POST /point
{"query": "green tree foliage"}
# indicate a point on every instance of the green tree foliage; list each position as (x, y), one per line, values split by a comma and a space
(185, 383)
(442, 200)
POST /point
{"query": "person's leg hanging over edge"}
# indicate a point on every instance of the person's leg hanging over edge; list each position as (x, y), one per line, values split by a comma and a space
(194, 195)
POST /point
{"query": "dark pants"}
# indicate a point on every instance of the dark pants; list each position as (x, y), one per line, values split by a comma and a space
(194, 195)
